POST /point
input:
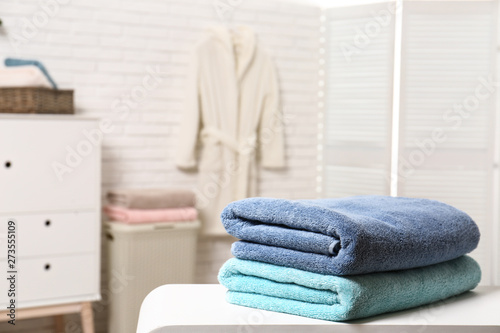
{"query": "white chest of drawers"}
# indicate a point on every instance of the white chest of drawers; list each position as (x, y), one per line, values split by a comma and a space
(50, 187)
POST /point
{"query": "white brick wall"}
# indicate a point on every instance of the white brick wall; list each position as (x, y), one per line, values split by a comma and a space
(102, 49)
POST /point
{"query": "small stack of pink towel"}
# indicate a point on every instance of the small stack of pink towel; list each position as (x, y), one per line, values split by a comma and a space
(151, 205)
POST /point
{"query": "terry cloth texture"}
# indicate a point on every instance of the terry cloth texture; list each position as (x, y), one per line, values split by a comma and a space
(151, 198)
(352, 235)
(11, 62)
(338, 298)
(25, 76)
(150, 215)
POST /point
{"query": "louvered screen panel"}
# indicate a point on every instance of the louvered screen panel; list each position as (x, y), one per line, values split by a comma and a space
(447, 111)
(347, 181)
(358, 103)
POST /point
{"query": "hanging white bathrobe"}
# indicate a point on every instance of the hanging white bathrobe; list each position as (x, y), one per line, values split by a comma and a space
(233, 110)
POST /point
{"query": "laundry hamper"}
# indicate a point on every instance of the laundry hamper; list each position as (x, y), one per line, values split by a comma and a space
(142, 257)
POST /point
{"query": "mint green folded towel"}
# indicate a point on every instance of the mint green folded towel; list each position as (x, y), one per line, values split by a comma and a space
(338, 298)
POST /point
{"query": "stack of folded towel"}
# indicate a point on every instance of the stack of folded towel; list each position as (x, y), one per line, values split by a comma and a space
(25, 73)
(348, 258)
(151, 205)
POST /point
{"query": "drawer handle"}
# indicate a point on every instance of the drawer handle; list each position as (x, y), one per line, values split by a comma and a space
(47, 267)
(8, 164)
(47, 223)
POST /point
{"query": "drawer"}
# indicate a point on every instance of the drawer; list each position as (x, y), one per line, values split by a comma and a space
(53, 233)
(32, 152)
(52, 278)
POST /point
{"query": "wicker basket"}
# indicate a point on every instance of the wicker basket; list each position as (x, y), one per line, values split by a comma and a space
(36, 100)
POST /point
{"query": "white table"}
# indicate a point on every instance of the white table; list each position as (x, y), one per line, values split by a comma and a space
(202, 308)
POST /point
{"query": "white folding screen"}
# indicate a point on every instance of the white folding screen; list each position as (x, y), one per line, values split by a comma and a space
(496, 215)
(447, 110)
(358, 99)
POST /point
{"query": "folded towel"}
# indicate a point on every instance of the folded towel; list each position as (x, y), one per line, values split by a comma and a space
(338, 298)
(26, 76)
(11, 62)
(150, 215)
(152, 198)
(351, 235)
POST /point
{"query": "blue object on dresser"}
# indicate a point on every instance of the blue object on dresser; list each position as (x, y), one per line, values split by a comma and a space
(12, 62)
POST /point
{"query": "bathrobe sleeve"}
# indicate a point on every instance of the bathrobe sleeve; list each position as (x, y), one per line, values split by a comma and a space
(191, 119)
(271, 131)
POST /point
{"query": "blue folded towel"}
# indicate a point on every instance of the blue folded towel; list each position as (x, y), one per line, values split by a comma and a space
(12, 62)
(338, 298)
(351, 235)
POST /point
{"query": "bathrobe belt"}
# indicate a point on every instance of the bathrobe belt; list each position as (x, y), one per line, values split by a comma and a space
(217, 136)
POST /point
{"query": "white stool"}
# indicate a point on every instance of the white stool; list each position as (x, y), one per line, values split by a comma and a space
(203, 308)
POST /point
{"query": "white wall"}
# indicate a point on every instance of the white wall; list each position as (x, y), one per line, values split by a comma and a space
(102, 50)
(336, 3)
